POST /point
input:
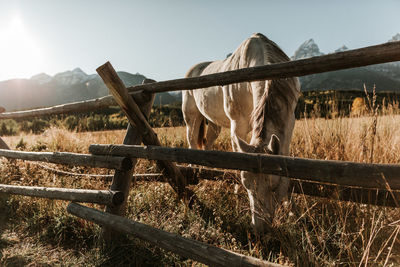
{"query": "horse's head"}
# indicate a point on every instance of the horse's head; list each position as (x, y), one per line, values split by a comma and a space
(265, 191)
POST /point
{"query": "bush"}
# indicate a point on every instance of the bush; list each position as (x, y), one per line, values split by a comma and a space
(39, 125)
(9, 127)
(96, 123)
(71, 122)
(25, 126)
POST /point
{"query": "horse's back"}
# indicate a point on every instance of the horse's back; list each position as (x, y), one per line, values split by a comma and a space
(209, 101)
(222, 104)
(197, 69)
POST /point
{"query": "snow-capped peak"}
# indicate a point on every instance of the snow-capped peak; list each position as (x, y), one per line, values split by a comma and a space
(71, 77)
(307, 49)
(395, 38)
(341, 49)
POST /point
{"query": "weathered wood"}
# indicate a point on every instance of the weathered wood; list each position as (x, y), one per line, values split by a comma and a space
(378, 197)
(122, 179)
(377, 54)
(74, 159)
(374, 176)
(104, 197)
(136, 118)
(194, 175)
(88, 105)
(80, 106)
(192, 249)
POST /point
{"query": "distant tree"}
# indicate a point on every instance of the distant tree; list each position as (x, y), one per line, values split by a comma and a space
(39, 125)
(358, 107)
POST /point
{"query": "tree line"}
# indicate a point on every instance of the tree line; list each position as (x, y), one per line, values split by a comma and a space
(326, 104)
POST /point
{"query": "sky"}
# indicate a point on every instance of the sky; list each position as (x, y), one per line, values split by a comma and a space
(162, 39)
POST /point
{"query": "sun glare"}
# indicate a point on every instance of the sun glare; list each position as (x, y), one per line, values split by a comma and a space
(20, 55)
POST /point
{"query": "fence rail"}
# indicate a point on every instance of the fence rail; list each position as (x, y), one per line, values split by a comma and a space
(192, 249)
(75, 159)
(376, 54)
(104, 197)
(379, 197)
(80, 106)
(373, 182)
(372, 176)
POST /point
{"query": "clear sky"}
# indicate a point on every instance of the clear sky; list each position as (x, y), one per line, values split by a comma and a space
(162, 39)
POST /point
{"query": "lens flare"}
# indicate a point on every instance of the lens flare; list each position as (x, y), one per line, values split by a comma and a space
(20, 54)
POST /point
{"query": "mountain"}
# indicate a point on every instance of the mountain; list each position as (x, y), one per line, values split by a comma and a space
(386, 77)
(395, 38)
(43, 90)
(341, 49)
(307, 49)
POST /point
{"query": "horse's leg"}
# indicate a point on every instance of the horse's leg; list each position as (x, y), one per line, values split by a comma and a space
(213, 132)
(193, 119)
(239, 128)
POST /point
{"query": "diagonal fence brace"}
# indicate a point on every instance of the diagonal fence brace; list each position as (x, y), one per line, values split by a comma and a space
(136, 118)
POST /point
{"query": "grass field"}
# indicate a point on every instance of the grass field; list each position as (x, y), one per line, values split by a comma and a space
(306, 232)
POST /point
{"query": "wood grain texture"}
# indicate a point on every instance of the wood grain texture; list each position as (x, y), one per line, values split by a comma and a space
(378, 197)
(185, 247)
(104, 197)
(137, 119)
(373, 176)
(73, 159)
(122, 179)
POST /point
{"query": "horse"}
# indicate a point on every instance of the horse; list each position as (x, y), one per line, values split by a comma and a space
(264, 108)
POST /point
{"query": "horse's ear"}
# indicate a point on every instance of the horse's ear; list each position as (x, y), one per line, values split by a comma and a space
(274, 145)
(243, 145)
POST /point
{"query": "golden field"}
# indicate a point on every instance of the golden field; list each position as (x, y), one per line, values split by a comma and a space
(307, 232)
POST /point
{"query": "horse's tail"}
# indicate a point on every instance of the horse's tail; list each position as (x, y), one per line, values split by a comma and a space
(201, 139)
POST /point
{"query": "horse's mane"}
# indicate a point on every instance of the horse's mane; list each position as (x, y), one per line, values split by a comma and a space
(280, 94)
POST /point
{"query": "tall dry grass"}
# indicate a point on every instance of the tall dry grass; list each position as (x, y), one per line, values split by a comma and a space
(306, 232)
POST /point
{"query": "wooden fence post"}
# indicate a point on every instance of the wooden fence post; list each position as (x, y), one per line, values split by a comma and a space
(122, 179)
(135, 116)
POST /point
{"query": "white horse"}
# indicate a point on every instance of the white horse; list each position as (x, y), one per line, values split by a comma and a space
(264, 108)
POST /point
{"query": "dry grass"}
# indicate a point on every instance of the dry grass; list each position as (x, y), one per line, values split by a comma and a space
(306, 232)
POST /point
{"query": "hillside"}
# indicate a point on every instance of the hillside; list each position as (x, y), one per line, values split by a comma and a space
(43, 90)
(386, 77)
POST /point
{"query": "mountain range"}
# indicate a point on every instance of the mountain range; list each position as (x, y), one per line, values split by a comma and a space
(386, 77)
(43, 90)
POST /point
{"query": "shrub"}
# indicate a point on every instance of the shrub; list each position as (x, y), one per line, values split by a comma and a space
(71, 122)
(8, 127)
(39, 125)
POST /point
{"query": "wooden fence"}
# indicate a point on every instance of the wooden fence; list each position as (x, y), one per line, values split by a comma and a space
(364, 183)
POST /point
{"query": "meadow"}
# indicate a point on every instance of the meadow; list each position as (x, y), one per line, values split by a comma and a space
(306, 231)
